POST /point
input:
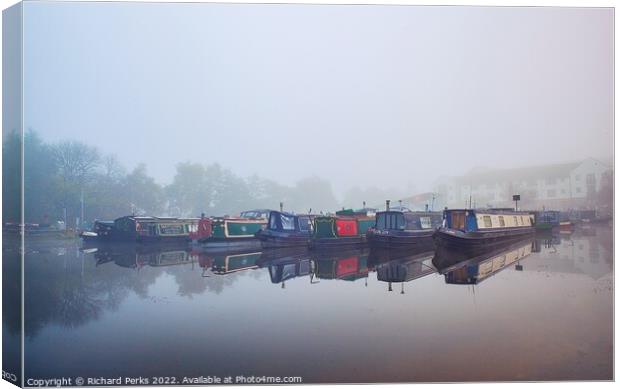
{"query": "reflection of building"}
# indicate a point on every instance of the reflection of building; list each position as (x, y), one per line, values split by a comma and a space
(576, 254)
(560, 186)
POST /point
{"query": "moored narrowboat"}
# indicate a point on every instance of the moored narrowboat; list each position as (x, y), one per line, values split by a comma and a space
(229, 233)
(286, 230)
(474, 229)
(398, 229)
(337, 231)
(143, 229)
(546, 220)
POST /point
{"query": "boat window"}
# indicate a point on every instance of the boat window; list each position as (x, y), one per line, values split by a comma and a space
(390, 221)
(273, 222)
(515, 219)
(288, 222)
(501, 221)
(304, 224)
(425, 222)
(487, 221)
(522, 221)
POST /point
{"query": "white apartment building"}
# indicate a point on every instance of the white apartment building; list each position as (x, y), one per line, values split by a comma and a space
(559, 186)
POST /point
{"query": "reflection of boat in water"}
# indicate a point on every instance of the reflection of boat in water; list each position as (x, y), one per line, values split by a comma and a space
(472, 230)
(286, 264)
(406, 268)
(348, 265)
(231, 263)
(137, 256)
(459, 268)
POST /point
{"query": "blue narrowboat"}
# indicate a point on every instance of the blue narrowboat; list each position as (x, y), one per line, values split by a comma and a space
(286, 230)
(402, 229)
(473, 229)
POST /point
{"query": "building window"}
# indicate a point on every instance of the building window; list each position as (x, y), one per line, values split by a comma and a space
(501, 221)
(578, 190)
(487, 221)
(577, 177)
(550, 181)
(563, 191)
(551, 193)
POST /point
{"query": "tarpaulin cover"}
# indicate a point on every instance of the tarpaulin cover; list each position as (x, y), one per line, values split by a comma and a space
(204, 229)
(346, 227)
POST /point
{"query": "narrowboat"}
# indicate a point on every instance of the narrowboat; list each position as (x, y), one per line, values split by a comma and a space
(567, 220)
(475, 229)
(546, 220)
(399, 230)
(143, 229)
(338, 231)
(229, 233)
(286, 230)
(459, 268)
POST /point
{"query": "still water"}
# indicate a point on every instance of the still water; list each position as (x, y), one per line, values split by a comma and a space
(540, 310)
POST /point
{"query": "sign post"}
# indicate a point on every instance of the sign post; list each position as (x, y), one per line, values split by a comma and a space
(516, 199)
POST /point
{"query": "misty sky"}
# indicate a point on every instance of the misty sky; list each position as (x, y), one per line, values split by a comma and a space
(392, 96)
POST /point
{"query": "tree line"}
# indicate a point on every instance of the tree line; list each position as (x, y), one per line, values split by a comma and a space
(61, 179)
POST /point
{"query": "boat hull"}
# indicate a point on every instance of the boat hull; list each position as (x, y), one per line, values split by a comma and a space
(399, 239)
(338, 243)
(277, 239)
(228, 245)
(473, 242)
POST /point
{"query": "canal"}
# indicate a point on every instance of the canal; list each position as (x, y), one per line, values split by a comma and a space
(543, 311)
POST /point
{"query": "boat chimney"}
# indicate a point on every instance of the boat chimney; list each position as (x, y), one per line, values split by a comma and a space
(426, 207)
(364, 204)
(281, 206)
(387, 205)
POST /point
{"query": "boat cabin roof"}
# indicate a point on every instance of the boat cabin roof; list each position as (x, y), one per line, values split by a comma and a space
(143, 219)
(491, 211)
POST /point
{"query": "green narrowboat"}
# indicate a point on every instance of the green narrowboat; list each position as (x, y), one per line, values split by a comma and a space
(229, 233)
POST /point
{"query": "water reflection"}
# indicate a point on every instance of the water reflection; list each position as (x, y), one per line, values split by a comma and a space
(79, 292)
(460, 269)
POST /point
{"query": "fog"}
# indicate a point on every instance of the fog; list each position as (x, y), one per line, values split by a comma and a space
(386, 96)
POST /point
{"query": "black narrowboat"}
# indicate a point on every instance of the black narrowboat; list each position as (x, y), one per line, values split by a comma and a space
(286, 230)
(403, 229)
(475, 229)
(143, 229)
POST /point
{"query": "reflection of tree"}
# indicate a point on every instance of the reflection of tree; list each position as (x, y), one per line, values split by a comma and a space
(70, 291)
